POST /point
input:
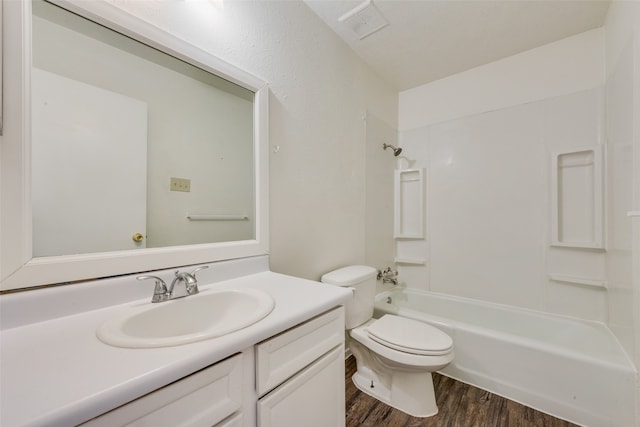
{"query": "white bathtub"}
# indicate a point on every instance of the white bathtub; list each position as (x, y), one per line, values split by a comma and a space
(574, 370)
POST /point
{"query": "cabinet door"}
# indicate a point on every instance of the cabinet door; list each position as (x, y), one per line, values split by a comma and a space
(312, 398)
(280, 357)
(199, 400)
(234, 421)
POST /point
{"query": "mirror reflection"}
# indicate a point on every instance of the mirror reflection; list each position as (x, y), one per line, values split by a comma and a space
(132, 148)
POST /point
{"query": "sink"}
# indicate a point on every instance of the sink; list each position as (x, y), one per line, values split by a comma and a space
(208, 314)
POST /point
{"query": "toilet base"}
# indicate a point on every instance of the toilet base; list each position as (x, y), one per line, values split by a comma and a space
(409, 392)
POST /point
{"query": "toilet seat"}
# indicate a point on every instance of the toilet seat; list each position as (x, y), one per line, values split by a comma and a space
(410, 336)
(399, 357)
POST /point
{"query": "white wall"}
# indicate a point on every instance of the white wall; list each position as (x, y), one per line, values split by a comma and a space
(623, 138)
(485, 137)
(379, 168)
(559, 68)
(320, 91)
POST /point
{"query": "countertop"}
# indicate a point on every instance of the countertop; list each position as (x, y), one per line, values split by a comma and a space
(57, 372)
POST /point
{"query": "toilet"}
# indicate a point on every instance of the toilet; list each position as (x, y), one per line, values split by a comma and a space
(395, 356)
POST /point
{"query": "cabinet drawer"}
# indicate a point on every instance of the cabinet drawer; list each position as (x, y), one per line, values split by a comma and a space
(312, 398)
(202, 399)
(282, 356)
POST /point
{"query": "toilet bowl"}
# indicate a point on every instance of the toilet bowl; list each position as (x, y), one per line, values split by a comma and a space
(395, 356)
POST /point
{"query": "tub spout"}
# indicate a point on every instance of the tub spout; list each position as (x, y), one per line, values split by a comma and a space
(388, 276)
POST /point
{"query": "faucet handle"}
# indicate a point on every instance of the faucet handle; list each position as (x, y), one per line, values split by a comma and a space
(193, 273)
(160, 292)
(192, 285)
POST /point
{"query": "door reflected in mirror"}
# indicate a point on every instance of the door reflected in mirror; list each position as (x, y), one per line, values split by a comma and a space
(128, 141)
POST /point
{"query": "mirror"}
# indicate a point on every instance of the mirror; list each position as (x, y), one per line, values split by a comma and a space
(132, 147)
(143, 155)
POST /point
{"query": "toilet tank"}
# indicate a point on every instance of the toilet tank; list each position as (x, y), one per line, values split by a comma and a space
(362, 280)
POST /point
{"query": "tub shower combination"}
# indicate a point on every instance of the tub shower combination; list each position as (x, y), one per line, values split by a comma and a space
(572, 369)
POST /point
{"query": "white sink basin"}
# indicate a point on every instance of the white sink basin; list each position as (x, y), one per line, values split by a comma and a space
(206, 315)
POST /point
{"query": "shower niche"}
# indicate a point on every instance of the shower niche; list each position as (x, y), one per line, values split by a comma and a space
(577, 198)
(409, 204)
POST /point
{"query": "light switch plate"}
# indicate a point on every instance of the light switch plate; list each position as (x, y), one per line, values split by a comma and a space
(180, 184)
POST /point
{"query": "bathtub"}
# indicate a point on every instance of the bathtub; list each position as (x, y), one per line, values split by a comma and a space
(571, 369)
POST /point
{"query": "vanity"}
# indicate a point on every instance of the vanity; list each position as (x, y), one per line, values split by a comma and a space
(285, 369)
(81, 343)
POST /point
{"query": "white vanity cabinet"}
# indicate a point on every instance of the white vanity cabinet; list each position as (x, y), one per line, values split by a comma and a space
(210, 397)
(300, 374)
(298, 377)
(287, 365)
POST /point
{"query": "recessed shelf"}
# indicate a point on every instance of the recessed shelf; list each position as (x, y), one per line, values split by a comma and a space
(577, 198)
(410, 261)
(599, 283)
(409, 204)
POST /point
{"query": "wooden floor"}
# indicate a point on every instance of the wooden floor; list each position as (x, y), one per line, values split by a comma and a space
(459, 404)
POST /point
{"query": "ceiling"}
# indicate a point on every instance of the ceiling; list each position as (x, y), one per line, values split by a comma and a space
(426, 40)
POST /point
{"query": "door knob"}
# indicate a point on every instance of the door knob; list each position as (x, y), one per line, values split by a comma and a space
(137, 237)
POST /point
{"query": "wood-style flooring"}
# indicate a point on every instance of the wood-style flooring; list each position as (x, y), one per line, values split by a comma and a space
(459, 405)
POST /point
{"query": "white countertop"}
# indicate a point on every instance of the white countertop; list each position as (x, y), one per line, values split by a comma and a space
(58, 373)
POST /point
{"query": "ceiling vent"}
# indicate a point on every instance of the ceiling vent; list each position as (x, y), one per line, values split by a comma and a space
(364, 20)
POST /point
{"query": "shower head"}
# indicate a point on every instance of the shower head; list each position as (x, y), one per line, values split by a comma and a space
(396, 150)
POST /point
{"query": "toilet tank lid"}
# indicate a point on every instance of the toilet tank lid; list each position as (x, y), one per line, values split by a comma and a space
(348, 276)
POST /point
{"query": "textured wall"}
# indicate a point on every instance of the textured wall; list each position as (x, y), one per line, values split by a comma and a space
(320, 92)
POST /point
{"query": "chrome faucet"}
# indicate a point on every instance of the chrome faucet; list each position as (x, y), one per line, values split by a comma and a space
(388, 276)
(161, 293)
